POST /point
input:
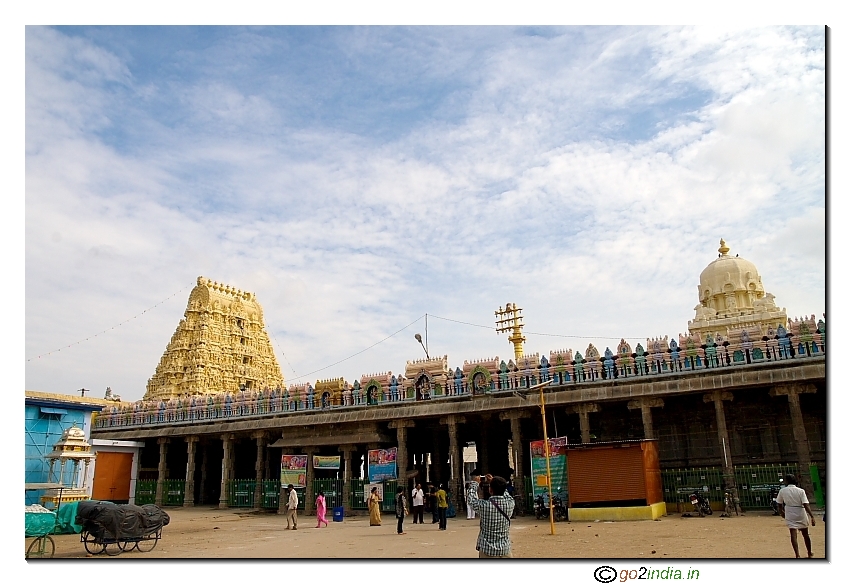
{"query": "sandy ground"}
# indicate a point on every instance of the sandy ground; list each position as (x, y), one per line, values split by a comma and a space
(213, 533)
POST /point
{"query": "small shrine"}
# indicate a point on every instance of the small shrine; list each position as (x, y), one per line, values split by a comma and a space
(71, 447)
(732, 298)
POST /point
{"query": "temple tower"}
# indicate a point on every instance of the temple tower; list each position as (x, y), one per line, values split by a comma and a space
(220, 345)
(732, 297)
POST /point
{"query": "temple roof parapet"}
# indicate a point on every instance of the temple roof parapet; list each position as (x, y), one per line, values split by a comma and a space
(803, 338)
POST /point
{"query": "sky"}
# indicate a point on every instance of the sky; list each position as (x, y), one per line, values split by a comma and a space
(356, 178)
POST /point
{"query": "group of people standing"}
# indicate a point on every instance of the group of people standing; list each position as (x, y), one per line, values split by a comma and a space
(437, 498)
(488, 496)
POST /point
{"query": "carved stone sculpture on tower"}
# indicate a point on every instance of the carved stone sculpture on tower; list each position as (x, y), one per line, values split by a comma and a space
(221, 344)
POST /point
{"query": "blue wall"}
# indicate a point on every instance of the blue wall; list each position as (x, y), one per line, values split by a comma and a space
(42, 430)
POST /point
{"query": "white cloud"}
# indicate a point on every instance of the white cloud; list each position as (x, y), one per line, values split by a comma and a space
(526, 182)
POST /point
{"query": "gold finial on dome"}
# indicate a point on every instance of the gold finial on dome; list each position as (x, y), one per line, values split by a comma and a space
(723, 248)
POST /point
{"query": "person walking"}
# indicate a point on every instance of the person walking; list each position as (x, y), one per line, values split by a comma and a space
(292, 508)
(794, 508)
(494, 535)
(442, 506)
(374, 508)
(418, 497)
(321, 508)
(400, 509)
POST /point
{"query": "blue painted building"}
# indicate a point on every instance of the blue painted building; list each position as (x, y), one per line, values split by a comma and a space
(46, 416)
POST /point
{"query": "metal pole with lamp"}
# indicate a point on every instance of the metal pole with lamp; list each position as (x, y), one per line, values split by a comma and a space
(546, 453)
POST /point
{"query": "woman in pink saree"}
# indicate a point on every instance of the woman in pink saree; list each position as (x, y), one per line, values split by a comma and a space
(321, 508)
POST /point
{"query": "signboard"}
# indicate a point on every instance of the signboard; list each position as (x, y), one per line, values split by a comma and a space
(382, 464)
(293, 470)
(326, 462)
(557, 466)
(367, 491)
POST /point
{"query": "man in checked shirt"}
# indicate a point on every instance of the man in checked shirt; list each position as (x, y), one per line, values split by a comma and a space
(494, 537)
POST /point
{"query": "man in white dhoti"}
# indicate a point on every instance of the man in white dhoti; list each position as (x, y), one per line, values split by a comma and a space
(794, 508)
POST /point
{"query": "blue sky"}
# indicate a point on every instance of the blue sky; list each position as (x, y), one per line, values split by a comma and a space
(357, 177)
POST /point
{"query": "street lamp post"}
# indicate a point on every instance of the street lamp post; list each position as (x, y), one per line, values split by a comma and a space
(419, 339)
(546, 453)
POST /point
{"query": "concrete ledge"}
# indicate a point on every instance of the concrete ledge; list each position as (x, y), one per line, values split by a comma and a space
(619, 513)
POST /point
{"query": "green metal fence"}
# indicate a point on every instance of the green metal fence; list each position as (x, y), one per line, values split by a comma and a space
(332, 489)
(755, 482)
(145, 492)
(173, 492)
(240, 493)
(271, 494)
(678, 484)
(359, 501)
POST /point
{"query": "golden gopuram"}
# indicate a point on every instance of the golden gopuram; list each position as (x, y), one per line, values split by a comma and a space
(221, 345)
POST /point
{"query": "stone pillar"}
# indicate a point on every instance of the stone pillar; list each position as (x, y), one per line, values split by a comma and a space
(645, 405)
(260, 436)
(436, 461)
(400, 427)
(189, 492)
(347, 450)
(203, 497)
(161, 470)
(481, 447)
(729, 481)
(226, 468)
(519, 463)
(584, 410)
(309, 495)
(798, 427)
(456, 458)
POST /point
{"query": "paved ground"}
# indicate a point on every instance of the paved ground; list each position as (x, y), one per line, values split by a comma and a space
(212, 533)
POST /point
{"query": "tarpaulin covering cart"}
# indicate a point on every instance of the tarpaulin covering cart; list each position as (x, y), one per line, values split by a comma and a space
(115, 528)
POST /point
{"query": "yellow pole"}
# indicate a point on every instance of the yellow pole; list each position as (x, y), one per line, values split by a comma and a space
(548, 469)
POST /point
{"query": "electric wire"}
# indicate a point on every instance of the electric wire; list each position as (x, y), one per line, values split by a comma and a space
(309, 374)
(282, 352)
(181, 290)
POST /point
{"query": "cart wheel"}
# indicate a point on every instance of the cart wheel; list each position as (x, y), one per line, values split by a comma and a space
(114, 548)
(41, 548)
(146, 545)
(92, 546)
(126, 545)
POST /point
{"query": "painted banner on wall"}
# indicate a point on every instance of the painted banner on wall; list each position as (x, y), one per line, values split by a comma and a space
(557, 466)
(326, 462)
(293, 470)
(382, 464)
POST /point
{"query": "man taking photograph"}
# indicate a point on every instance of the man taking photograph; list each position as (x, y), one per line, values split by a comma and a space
(494, 536)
